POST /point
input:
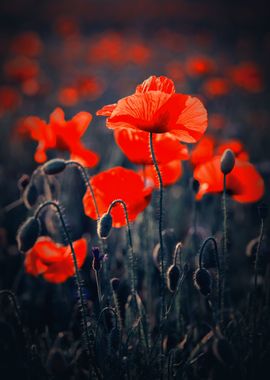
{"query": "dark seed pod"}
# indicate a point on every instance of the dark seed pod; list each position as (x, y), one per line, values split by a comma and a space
(227, 161)
(27, 234)
(97, 259)
(104, 226)
(30, 195)
(173, 276)
(224, 352)
(263, 211)
(203, 281)
(54, 166)
(23, 182)
(115, 282)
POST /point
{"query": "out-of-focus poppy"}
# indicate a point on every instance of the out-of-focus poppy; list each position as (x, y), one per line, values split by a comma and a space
(68, 96)
(203, 151)
(236, 146)
(54, 261)
(200, 65)
(60, 134)
(10, 99)
(216, 87)
(118, 183)
(244, 183)
(248, 76)
(208, 147)
(156, 108)
(170, 173)
(27, 44)
(135, 145)
(21, 69)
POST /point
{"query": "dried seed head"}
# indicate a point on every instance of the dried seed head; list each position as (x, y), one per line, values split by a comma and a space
(203, 281)
(104, 226)
(27, 234)
(173, 276)
(30, 195)
(227, 161)
(54, 166)
(263, 211)
(224, 352)
(115, 282)
(23, 182)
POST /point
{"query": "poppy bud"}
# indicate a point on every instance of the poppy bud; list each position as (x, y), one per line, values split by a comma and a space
(30, 195)
(203, 281)
(54, 166)
(28, 234)
(104, 226)
(97, 259)
(115, 282)
(223, 351)
(173, 275)
(263, 211)
(23, 182)
(227, 161)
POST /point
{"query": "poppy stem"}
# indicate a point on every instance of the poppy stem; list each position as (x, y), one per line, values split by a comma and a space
(224, 271)
(77, 272)
(201, 252)
(98, 286)
(256, 269)
(132, 259)
(162, 271)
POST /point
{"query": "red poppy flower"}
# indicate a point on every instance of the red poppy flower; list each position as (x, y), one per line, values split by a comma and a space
(203, 151)
(60, 134)
(9, 99)
(170, 173)
(236, 146)
(156, 108)
(248, 76)
(244, 183)
(117, 183)
(200, 65)
(54, 261)
(27, 44)
(135, 145)
(216, 87)
(21, 69)
(206, 149)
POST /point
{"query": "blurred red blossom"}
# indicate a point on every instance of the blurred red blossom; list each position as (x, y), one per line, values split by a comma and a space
(60, 134)
(170, 172)
(117, 183)
(244, 183)
(54, 261)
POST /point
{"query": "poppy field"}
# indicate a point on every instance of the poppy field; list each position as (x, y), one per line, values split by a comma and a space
(134, 178)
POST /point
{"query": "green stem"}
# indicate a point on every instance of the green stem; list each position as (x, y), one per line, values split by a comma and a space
(224, 271)
(131, 252)
(98, 286)
(162, 271)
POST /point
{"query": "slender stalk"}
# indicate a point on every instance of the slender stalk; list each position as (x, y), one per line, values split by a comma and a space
(225, 264)
(131, 252)
(77, 273)
(162, 269)
(256, 269)
(206, 241)
(98, 286)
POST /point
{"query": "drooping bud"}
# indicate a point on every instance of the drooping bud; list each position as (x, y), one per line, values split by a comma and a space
(97, 259)
(263, 211)
(227, 161)
(54, 166)
(104, 226)
(23, 182)
(27, 234)
(115, 282)
(203, 281)
(30, 195)
(173, 276)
